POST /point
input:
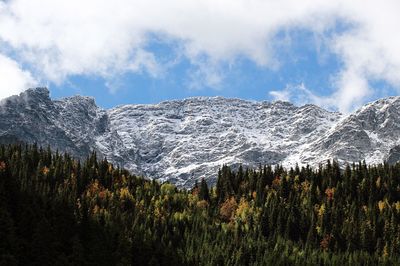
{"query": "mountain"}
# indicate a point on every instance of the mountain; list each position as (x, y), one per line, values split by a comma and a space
(185, 140)
(371, 134)
(68, 125)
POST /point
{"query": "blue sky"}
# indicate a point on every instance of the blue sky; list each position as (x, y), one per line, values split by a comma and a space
(300, 63)
(335, 54)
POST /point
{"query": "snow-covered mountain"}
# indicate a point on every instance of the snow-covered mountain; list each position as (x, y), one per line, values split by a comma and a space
(183, 141)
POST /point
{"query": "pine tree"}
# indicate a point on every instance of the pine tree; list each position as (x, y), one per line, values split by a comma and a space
(204, 192)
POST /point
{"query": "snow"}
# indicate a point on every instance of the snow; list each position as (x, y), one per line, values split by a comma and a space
(185, 140)
(180, 138)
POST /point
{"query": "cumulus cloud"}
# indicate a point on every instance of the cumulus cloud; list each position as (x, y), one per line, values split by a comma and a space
(60, 38)
(13, 79)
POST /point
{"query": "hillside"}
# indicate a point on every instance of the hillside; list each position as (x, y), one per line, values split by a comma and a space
(57, 211)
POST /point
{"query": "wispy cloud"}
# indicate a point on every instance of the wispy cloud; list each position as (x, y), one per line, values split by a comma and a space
(300, 95)
(61, 38)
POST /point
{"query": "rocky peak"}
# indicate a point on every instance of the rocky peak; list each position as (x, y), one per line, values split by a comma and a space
(184, 140)
(36, 95)
(79, 100)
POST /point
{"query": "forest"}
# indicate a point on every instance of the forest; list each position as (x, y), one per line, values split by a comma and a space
(56, 210)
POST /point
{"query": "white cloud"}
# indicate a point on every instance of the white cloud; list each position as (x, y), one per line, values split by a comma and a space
(205, 73)
(60, 38)
(13, 79)
(300, 95)
(282, 95)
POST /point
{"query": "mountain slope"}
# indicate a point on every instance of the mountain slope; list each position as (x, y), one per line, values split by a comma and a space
(368, 134)
(182, 141)
(173, 140)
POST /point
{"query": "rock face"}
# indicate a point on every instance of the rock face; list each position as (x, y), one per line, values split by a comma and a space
(183, 141)
(394, 155)
(68, 125)
(369, 134)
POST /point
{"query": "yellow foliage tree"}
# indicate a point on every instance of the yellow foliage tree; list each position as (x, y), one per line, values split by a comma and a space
(125, 194)
(167, 189)
(397, 206)
(202, 204)
(305, 186)
(228, 209)
(378, 182)
(243, 209)
(321, 210)
(381, 205)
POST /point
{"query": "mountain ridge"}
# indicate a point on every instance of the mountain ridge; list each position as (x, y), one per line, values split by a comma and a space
(182, 141)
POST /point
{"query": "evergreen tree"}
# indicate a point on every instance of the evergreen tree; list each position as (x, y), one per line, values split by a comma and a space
(204, 192)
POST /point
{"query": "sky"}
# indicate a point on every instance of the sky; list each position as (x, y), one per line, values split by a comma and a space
(338, 54)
